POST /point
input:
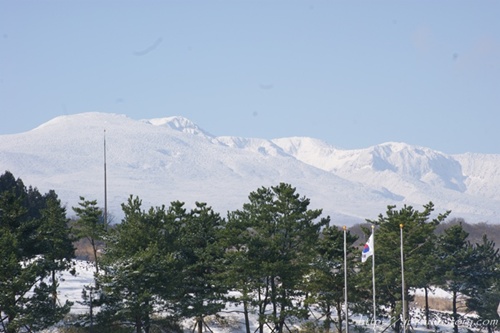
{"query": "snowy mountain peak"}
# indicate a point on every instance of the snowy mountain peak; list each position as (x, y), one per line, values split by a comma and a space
(80, 126)
(393, 146)
(394, 160)
(171, 158)
(180, 124)
(420, 163)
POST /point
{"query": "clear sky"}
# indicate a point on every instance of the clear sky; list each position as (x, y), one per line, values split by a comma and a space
(352, 73)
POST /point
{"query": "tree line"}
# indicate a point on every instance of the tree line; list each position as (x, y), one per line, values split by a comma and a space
(275, 258)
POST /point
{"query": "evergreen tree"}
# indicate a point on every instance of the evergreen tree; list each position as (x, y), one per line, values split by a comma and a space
(484, 283)
(200, 255)
(90, 225)
(456, 261)
(140, 275)
(278, 235)
(26, 301)
(55, 240)
(243, 272)
(325, 284)
(18, 214)
(418, 230)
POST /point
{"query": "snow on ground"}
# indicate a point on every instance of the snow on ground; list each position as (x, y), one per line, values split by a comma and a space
(434, 292)
(71, 286)
(231, 319)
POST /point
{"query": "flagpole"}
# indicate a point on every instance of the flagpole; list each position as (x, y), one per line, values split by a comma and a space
(403, 305)
(345, 282)
(105, 186)
(373, 283)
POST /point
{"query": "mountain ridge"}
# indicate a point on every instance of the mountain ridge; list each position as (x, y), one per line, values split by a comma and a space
(171, 158)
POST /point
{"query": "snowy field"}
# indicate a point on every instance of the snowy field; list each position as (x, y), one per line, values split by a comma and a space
(70, 286)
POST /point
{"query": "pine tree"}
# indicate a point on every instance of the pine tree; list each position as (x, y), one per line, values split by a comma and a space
(140, 276)
(483, 289)
(456, 261)
(26, 301)
(200, 256)
(279, 233)
(418, 230)
(242, 273)
(55, 240)
(325, 284)
(90, 225)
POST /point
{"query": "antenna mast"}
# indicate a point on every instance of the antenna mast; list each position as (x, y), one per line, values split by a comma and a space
(105, 186)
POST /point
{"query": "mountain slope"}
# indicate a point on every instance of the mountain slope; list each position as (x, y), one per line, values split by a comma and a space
(167, 159)
(412, 174)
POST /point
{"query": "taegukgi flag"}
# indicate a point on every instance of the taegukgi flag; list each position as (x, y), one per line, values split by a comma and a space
(368, 249)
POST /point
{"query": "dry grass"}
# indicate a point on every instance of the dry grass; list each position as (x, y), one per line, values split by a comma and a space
(438, 303)
(83, 250)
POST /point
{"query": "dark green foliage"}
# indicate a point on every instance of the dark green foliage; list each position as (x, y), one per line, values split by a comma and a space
(90, 224)
(325, 283)
(418, 239)
(275, 237)
(17, 204)
(472, 270)
(483, 288)
(139, 271)
(35, 246)
(43, 311)
(455, 256)
(275, 256)
(200, 257)
(55, 240)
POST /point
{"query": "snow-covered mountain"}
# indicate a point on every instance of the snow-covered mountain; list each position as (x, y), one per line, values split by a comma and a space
(167, 159)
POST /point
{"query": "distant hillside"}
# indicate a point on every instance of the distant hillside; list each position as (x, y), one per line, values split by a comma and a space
(171, 158)
(476, 230)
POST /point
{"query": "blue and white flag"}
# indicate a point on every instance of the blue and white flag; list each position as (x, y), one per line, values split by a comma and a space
(368, 249)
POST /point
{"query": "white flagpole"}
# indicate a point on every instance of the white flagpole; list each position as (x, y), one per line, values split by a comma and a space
(345, 282)
(373, 283)
(403, 305)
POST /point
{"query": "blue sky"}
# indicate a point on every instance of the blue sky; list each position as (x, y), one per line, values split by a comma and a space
(352, 73)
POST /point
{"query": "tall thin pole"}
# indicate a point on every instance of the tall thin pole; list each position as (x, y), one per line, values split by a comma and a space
(373, 283)
(403, 305)
(91, 313)
(345, 282)
(105, 186)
